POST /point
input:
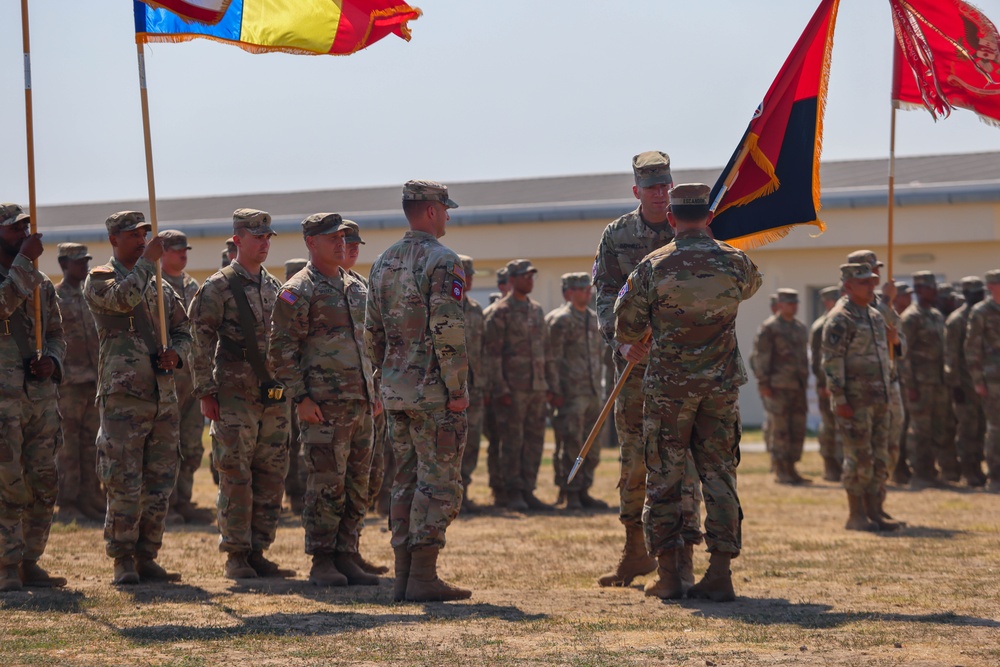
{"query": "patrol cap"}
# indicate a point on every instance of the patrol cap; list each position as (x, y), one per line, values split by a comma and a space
(502, 276)
(773, 298)
(786, 295)
(520, 267)
(353, 232)
(73, 251)
(126, 221)
(972, 284)
(467, 265)
(651, 168)
(903, 289)
(864, 257)
(924, 279)
(829, 293)
(174, 239)
(853, 271)
(9, 214)
(293, 266)
(576, 280)
(427, 191)
(993, 277)
(690, 194)
(256, 222)
(320, 224)
(230, 246)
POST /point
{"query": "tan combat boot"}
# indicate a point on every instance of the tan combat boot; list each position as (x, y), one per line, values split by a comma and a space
(591, 503)
(873, 510)
(832, 470)
(237, 567)
(573, 502)
(347, 566)
(125, 574)
(367, 566)
(668, 584)
(972, 471)
(194, 515)
(325, 573)
(424, 585)
(685, 565)
(534, 504)
(35, 576)
(796, 477)
(782, 474)
(857, 519)
(402, 573)
(634, 561)
(10, 579)
(266, 568)
(717, 584)
(149, 570)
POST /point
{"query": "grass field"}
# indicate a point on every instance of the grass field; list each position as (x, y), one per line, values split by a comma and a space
(810, 593)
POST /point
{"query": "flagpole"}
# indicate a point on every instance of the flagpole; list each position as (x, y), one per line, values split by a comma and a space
(892, 189)
(151, 186)
(30, 133)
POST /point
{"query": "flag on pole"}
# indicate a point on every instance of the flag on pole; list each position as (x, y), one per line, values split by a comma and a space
(199, 11)
(310, 27)
(776, 186)
(947, 56)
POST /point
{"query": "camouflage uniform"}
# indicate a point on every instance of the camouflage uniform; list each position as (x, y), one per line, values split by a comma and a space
(251, 438)
(689, 292)
(474, 329)
(982, 352)
(295, 479)
(137, 446)
(416, 338)
(29, 415)
(492, 428)
(782, 365)
(765, 427)
(827, 434)
(967, 403)
(317, 349)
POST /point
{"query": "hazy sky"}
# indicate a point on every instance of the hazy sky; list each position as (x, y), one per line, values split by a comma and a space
(484, 91)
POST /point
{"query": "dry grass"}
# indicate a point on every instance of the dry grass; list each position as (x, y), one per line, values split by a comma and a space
(810, 594)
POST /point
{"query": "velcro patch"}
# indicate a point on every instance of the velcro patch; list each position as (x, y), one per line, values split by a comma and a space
(458, 270)
(457, 289)
(288, 297)
(103, 271)
(625, 288)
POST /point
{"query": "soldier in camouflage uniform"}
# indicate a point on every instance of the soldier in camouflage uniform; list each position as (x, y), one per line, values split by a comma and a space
(492, 429)
(573, 368)
(968, 405)
(833, 457)
(137, 446)
(228, 254)
(901, 474)
(855, 357)
(474, 326)
(555, 416)
(688, 293)
(765, 427)
(76, 459)
(29, 415)
(318, 353)
(926, 394)
(251, 418)
(624, 244)
(182, 510)
(982, 353)
(295, 480)
(416, 339)
(514, 345)
(782, 369)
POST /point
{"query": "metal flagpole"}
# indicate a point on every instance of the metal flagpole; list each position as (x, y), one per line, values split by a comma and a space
(30, 132)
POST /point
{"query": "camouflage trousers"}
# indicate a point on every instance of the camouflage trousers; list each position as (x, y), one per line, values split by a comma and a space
(29, 433)
(577, 416)
(786, 418)
(557, 418)
(474, 416)
(76, 458)
(522, 439)
(376, 476)
(338, 456)
(295, 479)
(971, 435)
(137, 457)
(427, 488)
(251, 455)
(192, 426)
(865, 440)
(827, 435)
(991, 408)
(928, 429)
(632, 448)
(708, 430)
(492, 430)
(897, 424)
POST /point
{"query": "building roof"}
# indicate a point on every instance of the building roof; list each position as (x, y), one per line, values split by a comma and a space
(851, 184)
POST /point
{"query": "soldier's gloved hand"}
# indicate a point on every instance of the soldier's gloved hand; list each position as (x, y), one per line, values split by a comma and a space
(505, 400)
(31, 247)
(210, 408)
(308, 411)
(845, 411)
(154, 249)
(913, 394)
(168, 359)
(459, 404)
(981, 390)
(634, 352)
(958, 395)
(43, 368)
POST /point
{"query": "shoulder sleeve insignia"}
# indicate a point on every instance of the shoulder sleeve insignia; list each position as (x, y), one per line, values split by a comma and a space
(457, 289)
(102, 271)
(288, 297)
(625, 288)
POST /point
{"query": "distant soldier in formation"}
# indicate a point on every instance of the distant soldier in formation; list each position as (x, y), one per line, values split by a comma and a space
(514, 344)
(192, 425)
(474, 330)
(228, 253)
(833, 456)
(782, 366)
(856, 362)
(691, 387)
(492, 429)
(982, 352)
(295, 480)
(29, 414)
(554, 416)
(80, 491)
(902, 473)
(968, 405)
(137, 446)
(765, 427)
(573, 368)
(416, 339)
(231, 318)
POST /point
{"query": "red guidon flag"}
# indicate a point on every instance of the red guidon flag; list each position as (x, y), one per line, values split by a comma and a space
(946, 57)
(776, 164)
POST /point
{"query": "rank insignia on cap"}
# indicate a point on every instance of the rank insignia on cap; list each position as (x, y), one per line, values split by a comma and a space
(288, 297)
(457, 289)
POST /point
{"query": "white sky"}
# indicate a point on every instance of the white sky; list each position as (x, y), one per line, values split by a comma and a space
(485, 90)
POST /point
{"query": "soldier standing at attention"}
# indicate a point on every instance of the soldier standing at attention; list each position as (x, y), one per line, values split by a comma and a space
(982, 352)
(295, 480)
(76, 459)
(318, 353)
(491, 428)
(901, 474)
(766, 427)
(782, 367)
(173, 263)
(832, 456)
(29, 414)
(573, 366)
(474, 327)
(926, 395)
(967, 403)
(137, 446)
(556, 416)
(416, 339)
(228, 253)
(856, 363)
(231, 319)
(691, 387)
(624, 244)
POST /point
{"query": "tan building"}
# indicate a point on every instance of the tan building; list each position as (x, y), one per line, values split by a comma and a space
(947, 221)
